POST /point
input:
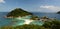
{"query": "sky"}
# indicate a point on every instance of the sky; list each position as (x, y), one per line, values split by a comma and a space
(30, 5)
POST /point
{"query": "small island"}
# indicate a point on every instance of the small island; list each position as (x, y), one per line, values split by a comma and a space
(58, 12)
(18, 12)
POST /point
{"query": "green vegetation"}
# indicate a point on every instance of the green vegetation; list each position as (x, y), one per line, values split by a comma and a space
(24, 27)
(18, 12)
(55, 24)
(35, 18)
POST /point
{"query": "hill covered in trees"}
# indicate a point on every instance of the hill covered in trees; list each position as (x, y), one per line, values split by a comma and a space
(58, 12)
(18, 12)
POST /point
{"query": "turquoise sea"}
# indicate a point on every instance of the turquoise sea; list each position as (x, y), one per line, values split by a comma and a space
(17, 22)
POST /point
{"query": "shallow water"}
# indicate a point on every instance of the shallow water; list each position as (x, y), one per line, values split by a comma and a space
(17, 22)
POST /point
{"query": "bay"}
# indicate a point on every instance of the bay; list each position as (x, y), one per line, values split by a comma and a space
(11, 22)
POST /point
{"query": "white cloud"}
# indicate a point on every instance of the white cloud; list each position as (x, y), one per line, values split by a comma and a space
(50, 8)
(2, 1)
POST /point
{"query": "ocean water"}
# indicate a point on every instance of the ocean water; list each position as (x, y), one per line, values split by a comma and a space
(17, 22)
(49, 15)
